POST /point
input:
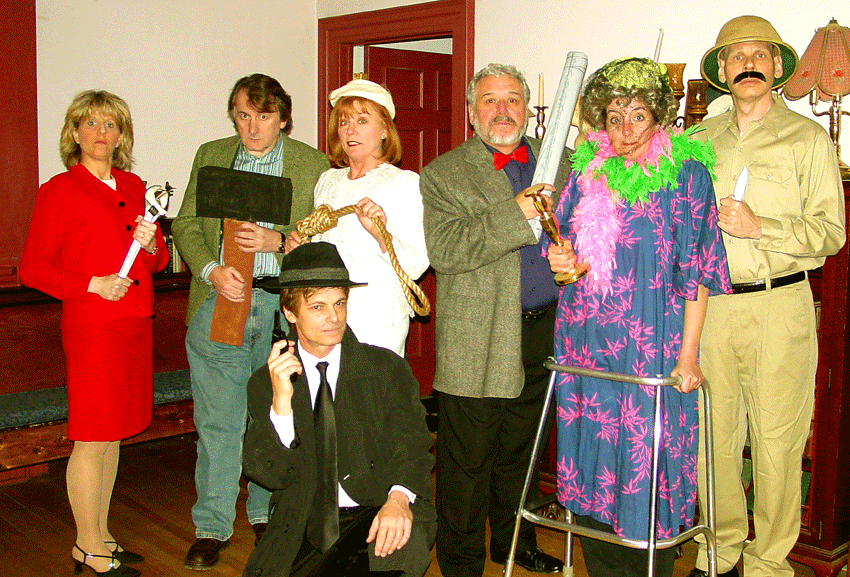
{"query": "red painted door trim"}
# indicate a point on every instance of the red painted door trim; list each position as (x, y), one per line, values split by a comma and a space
(444, 18)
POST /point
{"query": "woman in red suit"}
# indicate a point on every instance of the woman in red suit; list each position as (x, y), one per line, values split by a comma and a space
(85, 219)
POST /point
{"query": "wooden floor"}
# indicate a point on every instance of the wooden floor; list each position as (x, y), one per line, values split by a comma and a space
(151, 515)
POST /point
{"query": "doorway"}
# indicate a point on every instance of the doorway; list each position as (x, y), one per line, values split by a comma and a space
(339, 35)
(434, 84)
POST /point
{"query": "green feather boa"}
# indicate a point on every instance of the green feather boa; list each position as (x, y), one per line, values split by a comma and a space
(634, 183)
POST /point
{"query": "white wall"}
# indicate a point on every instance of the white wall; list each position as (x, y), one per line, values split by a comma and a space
(327, 8)
(536, 35)
(433, 45)
(174, 63)
(607, 29)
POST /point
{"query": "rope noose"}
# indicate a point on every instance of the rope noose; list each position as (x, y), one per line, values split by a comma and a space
(324, 218)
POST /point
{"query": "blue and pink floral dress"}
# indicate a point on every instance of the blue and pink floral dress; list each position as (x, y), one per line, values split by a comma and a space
(631, 322)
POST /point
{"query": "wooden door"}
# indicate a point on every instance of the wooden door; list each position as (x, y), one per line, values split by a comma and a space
(420, 83)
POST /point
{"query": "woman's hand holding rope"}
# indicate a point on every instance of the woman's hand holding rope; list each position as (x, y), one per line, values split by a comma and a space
(324, 218)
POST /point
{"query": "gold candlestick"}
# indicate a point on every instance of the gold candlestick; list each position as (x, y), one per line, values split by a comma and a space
(550, 227)
(696, 106)
(540, 129)
(674, 74)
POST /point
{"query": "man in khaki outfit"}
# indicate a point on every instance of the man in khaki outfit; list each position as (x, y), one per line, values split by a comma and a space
(759, 344)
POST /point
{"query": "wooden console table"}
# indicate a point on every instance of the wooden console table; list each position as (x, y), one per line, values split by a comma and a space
(825, 527)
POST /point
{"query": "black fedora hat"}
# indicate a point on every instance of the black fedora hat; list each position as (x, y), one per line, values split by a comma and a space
(314, 264)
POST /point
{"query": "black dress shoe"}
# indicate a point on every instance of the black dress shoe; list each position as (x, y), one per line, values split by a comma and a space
(113, 571)
(533, 560)
(259, 531)
(733, 572)
(126, 557)
(203, 555)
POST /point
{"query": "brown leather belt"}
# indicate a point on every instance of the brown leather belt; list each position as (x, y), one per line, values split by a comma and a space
(761, 285)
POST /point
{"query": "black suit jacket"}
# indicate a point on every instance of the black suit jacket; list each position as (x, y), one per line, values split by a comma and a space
(382, 441)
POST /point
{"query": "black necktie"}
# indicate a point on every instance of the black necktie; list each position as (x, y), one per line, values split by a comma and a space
(323, 523)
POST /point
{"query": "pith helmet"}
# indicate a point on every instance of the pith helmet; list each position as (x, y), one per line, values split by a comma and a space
(747, 29)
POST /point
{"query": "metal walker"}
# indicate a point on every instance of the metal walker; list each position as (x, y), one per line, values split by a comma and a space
(651, 544)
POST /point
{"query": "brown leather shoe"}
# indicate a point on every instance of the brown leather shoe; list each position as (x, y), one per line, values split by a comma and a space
(259, 531)
(203, 555)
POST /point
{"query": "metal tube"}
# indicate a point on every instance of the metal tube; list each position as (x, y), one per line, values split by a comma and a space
(509, 564)
(653, 492)
(555, 139)
(711, 520)
(652, 543)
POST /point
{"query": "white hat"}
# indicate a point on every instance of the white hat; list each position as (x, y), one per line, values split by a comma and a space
(365, 89)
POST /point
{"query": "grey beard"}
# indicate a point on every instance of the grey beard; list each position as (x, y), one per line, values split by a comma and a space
(506, 140)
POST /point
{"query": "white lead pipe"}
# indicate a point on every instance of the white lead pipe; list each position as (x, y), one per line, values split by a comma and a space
(555, 139)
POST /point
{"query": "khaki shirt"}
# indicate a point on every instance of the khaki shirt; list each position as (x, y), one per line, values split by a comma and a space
(794, 187)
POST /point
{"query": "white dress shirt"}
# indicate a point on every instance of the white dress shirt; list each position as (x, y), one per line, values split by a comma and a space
(284, 425)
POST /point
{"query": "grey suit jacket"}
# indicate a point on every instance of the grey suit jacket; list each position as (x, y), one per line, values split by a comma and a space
(382, 441)
(473, 230)
(198, 239)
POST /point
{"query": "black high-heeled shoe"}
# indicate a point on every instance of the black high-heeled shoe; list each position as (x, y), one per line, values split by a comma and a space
(126, 557)
(119, 571)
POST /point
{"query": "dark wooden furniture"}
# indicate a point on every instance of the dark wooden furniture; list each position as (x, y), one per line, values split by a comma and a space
(31, 358)
(825, 529)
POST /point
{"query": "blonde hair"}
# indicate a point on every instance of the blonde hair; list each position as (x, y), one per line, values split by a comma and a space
(84, 105)
(351, 106)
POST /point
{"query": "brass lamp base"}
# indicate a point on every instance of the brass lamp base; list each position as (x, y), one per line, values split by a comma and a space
(578, 272)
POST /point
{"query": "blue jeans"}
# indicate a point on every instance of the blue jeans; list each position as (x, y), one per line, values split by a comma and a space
(220, 374)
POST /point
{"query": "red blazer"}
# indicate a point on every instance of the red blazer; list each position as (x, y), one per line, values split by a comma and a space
(82, 228)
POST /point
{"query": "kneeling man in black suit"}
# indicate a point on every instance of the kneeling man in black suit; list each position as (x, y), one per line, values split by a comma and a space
(338, 434)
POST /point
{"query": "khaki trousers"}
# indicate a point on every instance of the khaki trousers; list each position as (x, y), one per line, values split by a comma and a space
(759, 354)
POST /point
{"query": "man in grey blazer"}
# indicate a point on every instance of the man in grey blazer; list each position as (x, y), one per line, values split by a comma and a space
(494, 325)
(261, 111)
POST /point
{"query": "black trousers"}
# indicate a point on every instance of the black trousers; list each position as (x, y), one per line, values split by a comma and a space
(608, 560)
(351, 557)
(483, 450)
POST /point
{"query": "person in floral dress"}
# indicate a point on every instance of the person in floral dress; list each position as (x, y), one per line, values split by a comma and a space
(639, 209)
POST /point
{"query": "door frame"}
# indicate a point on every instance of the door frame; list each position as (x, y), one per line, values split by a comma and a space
(339, 34)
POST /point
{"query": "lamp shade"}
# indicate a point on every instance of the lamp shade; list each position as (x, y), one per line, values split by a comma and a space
(825, 64)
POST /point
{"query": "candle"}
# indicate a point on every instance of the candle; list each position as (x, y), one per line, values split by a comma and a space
(540, 90)
(658, 44)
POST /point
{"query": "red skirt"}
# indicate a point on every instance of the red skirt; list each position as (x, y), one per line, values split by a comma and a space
(110, 378)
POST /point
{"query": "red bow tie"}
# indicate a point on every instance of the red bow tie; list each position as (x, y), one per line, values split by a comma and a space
(520, 155)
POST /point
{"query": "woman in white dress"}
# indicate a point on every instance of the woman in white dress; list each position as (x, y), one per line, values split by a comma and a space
(363, 140)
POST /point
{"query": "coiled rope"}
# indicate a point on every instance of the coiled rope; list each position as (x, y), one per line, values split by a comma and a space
(324, 218)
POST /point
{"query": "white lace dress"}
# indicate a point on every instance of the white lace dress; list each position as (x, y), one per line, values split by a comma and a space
(378, 313)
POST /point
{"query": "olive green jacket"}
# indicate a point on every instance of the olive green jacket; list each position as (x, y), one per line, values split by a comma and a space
(198, 239)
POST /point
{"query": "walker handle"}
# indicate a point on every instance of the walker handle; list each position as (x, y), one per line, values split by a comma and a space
(551, 365)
